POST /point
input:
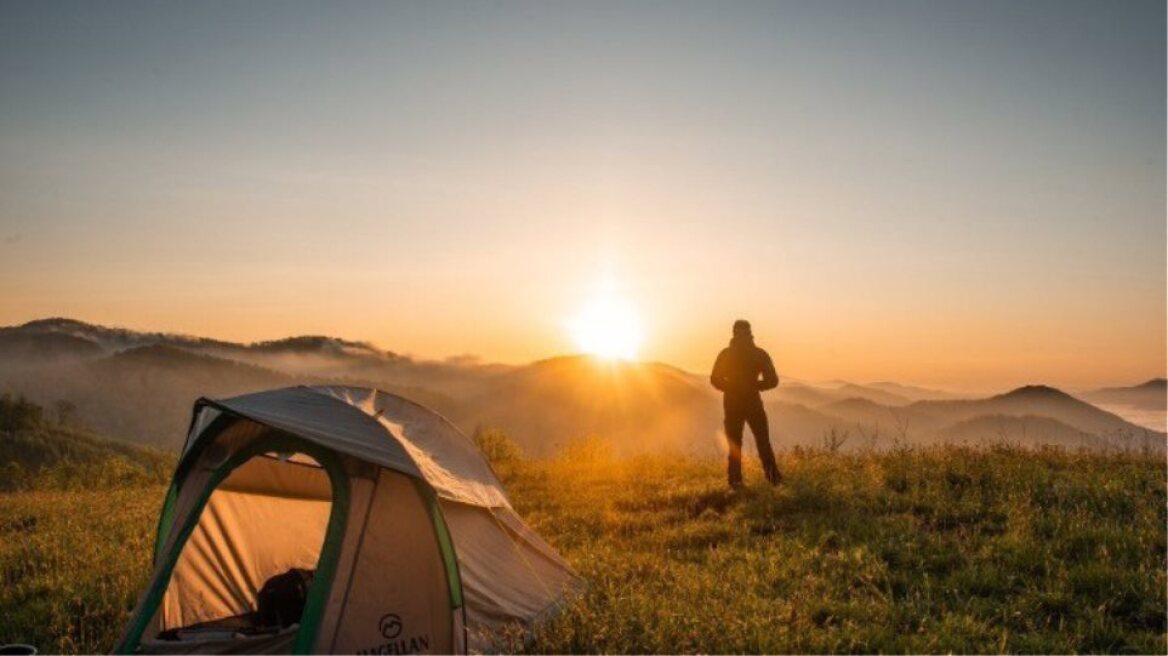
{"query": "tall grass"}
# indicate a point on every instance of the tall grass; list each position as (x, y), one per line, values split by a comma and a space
(937, 550)
(72, 564)
(941, 550)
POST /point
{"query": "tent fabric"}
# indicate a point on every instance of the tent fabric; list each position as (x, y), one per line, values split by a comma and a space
(278, 476)
(507, 571)
(322, 419)
(381, 428)
(424, 549)
(242, 540)
(360, 498)
(398, 571)
(448, 460)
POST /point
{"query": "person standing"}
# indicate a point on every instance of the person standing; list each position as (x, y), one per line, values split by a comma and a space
(742, 372)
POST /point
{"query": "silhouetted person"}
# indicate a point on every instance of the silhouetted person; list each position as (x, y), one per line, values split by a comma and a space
(741, 372)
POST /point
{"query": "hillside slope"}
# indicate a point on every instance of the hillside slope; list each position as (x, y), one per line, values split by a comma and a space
(144, 394)
(1025, 429)
(639, 408)
(34, 446)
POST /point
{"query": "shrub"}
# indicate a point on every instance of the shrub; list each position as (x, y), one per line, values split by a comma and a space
(589, 450)
(497, 446)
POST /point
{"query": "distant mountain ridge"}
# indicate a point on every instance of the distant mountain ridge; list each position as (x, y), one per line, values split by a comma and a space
(141, 385)
(318, 344)
(912, 392)
(1040, 400)
(1150, 395)
(109, 339)
(43, 347)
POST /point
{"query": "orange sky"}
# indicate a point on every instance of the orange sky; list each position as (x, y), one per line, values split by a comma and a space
(967, 195)
(958, 344)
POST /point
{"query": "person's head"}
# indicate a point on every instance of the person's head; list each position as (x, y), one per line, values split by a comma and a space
(742, 328)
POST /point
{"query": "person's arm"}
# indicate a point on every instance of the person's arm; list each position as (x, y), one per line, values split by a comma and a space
(718, 375)
(770, 378)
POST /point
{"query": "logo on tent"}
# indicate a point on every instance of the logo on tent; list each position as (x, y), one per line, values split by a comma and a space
(390, 626)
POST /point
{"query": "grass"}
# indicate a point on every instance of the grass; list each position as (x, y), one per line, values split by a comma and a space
(946, 550)
(72, 564)
(942, 550)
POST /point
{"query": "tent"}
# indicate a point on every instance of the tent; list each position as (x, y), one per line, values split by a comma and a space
(413, 544)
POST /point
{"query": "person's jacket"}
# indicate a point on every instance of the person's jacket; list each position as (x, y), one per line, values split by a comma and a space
(742, 370)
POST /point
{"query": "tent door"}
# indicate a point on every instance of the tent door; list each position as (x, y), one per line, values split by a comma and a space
(276, 506)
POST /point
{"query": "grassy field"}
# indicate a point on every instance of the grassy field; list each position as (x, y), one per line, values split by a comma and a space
(72, 564)
(935, 551)
(924, 551)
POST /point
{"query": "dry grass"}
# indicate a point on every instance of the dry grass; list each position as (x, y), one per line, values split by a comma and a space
(914, 551)
(946, 550)
(72, 564)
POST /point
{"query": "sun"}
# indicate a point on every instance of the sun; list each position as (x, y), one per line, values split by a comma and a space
(607, 327)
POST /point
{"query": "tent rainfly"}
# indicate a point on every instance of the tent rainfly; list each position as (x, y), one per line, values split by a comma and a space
(404, 532)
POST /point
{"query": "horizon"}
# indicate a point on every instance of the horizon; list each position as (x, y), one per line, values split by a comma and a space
(956, 196)
(470, 359)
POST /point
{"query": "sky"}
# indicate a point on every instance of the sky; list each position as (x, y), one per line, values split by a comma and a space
(961, 194)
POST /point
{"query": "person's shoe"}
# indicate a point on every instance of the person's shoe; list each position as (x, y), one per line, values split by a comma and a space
(775, 480)
(736, 486)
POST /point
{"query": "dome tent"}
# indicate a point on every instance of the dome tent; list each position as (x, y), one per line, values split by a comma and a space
(414, 544)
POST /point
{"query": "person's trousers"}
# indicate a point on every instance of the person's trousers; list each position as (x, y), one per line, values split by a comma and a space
(739, 414)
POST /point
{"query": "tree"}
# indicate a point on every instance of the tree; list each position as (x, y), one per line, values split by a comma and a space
(66, 411)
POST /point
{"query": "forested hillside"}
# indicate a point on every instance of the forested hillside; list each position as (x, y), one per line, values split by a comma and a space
(43, 449)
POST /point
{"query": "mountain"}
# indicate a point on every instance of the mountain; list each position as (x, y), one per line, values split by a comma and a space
(816, 396)
(638, 407)
(37, 349)
(872, 415)
(109, 339)
(141, 386)
(144, 393)
(319, 344)
(912, 392)
(884, 393)
(1026, 429)
(803, 394)
(1152, 395)
(1035, 400)
(315, 356)
(793, 424)
(1030, 415)
(883, 397)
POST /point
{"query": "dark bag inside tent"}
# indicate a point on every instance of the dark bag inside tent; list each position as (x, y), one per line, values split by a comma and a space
(280, 602)
(279, 605)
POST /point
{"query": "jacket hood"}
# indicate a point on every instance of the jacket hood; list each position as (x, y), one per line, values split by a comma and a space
(742, 341)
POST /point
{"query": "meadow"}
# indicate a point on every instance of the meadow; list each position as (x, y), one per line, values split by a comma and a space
(944, 549)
